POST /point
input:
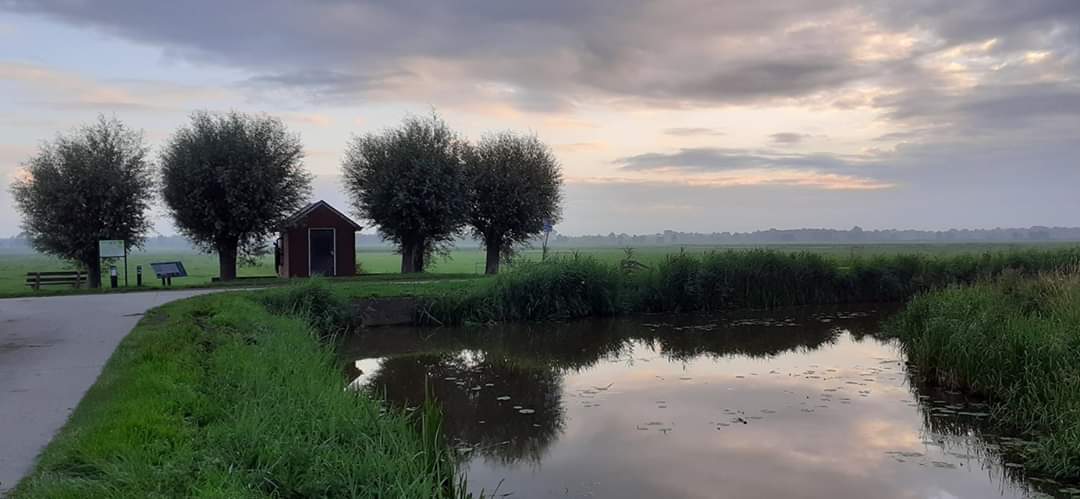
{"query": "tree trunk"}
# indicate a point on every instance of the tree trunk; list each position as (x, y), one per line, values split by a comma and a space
(412, 256)
(93, 270)
(408, 261)
(493, 254)
(227, 261)
(418, 256)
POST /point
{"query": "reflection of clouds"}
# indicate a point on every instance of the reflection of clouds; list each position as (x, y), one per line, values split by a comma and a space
(840, 451)
(876, 435)
(630, 411)
(360, 371)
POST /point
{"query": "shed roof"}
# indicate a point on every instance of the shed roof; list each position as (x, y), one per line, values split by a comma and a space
(299, 216)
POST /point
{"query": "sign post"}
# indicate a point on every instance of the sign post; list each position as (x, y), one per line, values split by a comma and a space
(114, 248)
(167, 270)
(548, 226)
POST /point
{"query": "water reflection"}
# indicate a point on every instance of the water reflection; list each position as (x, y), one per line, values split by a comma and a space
(806, 403)
(481, 395)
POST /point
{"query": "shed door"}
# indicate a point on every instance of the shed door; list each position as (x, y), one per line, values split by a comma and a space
(321, 252)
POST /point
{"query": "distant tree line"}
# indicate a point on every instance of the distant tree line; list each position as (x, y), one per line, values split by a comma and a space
(823, 236)
(229, 180)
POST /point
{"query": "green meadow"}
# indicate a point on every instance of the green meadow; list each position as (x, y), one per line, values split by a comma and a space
(202, 267)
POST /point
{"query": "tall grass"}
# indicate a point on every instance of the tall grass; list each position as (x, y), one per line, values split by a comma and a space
(216, 397)
(566, 288)
(579, 286)
(1016, 341)
(313, 300)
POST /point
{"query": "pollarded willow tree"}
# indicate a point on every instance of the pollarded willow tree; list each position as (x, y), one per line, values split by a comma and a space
(514, 187)
(409, 181)
(229, 180)
(89, 185)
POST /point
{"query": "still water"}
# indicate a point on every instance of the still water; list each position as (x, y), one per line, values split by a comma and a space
(798, 403)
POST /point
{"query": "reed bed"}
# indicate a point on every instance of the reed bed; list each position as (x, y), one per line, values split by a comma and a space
(1015, 341)
(579, 286)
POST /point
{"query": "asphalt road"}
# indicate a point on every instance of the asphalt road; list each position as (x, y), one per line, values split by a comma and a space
(51, 350)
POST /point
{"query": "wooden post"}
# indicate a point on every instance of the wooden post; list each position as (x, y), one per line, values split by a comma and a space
(37, 281)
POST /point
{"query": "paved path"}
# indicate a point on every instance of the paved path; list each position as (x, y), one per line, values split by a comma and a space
(51, 351)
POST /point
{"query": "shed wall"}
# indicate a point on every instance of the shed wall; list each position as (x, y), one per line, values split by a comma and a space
(296, 244)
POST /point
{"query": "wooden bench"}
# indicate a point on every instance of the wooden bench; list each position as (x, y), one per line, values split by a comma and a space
(74, 278)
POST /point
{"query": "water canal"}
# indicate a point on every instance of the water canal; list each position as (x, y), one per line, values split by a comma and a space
(798, 403)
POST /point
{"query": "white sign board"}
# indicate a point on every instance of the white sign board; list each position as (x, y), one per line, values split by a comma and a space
(110, 248)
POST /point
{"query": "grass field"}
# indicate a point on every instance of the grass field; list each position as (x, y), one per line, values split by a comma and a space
(201, 267)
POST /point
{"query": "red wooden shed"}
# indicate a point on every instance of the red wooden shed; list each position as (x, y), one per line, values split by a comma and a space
(317, 240)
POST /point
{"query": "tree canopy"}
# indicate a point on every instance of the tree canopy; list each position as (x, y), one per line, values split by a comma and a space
(409, 182)
(91, 184)
(514, 187)
(229, 180)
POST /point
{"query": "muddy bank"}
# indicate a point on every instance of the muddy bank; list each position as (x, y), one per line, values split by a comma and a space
(374, 312)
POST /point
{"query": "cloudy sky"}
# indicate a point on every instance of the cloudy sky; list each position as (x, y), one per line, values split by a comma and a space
(680, 114)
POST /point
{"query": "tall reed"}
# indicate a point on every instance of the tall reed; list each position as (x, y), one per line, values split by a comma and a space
(570, 287)
(1016, 341)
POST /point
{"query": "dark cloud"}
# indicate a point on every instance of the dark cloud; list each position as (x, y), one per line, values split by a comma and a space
(788, 138)
(933, 189)
(550, 53)
(1016, 24)
(1003, 112)
(325, 81)
(741, 81)
(552, 56)
(712, 159)
(334, 85)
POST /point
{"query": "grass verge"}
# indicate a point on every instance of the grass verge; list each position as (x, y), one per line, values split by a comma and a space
(217, 397)
(1016, 341)
(361, 286)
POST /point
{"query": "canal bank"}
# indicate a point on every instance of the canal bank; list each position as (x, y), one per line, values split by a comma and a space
(235, 375)
(216, 396)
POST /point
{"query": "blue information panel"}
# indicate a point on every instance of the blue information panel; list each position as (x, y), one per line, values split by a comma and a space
(165, 270)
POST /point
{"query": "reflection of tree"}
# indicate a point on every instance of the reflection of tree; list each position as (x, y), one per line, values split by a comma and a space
(580, 344)
(759, 334)
(573, 345)
(526, 362)
(505, 434)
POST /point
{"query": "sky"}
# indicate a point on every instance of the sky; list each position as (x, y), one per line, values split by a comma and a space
(689, 115)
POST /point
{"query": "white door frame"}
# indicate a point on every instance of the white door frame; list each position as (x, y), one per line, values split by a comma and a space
(333, 248)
